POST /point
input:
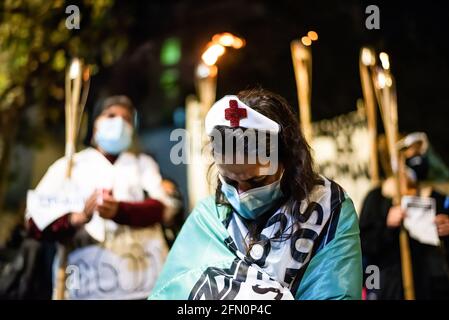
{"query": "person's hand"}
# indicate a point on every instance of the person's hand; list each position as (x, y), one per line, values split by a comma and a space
(109, 207)
(442, 222)
(395, 217)
(79, 218)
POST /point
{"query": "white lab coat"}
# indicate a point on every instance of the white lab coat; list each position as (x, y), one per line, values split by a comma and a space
(124, 262)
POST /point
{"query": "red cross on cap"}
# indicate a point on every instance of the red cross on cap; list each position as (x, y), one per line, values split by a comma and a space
(234, 113)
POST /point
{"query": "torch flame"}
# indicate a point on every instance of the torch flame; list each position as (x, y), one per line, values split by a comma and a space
(217, 47)
(381, 80)
(212, 53)
(75, 68)
(227, 39)
(312, 35)
(384, 60)
(368, 57)
(306, 41)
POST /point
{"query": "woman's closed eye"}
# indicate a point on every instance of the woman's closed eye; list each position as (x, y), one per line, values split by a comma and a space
(254, 182)
(231, 182)
(257, 181)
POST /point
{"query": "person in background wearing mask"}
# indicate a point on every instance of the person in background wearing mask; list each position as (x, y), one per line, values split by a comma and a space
(274, 229)
(380, 224)
(116, 243)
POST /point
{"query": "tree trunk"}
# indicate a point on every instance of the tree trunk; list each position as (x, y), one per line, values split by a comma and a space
(8, 129)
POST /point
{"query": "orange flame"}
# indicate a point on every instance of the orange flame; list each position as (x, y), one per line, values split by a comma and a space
(217, 47)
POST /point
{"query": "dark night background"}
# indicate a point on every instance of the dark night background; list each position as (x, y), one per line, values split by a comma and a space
(415, 34)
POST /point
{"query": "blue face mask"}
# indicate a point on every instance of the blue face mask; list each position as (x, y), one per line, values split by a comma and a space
(253, 203)
(113, 135)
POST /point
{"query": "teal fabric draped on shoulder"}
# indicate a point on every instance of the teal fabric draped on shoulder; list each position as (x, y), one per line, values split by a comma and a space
(335, 272)
(199, 245)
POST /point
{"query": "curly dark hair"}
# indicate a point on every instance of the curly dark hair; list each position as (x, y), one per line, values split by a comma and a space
(294, 154)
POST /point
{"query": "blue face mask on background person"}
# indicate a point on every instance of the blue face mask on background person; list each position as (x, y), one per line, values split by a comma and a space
(253, 203)
(113, 135)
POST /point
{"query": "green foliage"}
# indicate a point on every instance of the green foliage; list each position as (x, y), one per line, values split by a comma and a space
(36, 46)
(35, 49)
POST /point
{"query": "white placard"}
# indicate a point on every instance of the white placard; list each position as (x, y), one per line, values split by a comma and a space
(420, 219)
(96, 227)
(45, 208)
(341, 152)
